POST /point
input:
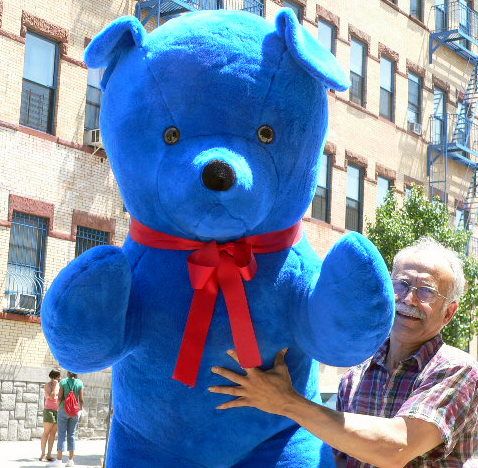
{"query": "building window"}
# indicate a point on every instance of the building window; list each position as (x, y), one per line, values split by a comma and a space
(354, 206)
(439, 111)
(414, 98)
(416, 9)
(327, 35)
(387, 88)
(39, 83)
(87, 238)
(383, 187)
(408, 191)
(321, 201)
(26, 263)
(298, 9)
(440, 15)
(357, 71)
(93, 99)
(465, 21)
(462, 218)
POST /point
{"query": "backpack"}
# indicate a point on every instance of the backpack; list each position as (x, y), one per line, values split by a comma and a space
(72, 406)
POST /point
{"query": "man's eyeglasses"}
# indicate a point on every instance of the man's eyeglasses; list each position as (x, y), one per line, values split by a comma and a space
(425, 294)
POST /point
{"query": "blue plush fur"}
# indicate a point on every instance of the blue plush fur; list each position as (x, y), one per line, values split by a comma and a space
(217, 77)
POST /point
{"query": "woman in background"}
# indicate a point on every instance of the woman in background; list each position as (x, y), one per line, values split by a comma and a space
(68, 425)
(50, 413)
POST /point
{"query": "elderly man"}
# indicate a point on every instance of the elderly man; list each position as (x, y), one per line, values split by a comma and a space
(414, 403)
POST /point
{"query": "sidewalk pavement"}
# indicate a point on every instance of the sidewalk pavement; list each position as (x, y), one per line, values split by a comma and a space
(88, 453)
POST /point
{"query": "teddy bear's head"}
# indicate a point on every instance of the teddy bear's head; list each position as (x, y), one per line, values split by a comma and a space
(214, 123)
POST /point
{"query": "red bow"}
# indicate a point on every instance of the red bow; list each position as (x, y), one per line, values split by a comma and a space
(212, 267)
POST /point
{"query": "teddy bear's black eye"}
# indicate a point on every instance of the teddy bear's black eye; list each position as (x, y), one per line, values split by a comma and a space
(265, 134)
(171, 135)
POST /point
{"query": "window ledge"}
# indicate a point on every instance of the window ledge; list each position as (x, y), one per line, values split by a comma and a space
(20, 318)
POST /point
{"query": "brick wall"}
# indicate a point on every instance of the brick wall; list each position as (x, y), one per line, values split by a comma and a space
(22, 400)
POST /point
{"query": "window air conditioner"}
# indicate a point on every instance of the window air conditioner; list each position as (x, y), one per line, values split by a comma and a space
(23, 302)
(93, 138)
(415, 127)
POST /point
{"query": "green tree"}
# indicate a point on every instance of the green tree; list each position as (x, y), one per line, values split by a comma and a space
(397, 227)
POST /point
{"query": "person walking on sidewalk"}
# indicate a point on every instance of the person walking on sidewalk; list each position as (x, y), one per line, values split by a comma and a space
(50, 414)
(68, 425)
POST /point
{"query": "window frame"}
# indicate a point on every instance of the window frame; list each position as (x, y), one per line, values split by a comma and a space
(328, 192)
(34, 229)
(298, 6)
(359, 100)
(333, 37)
(90, 104)
(419, 10)
(419, 106)
(80, 238)
(360, 201)
(391, 93)
(52, 90)
(466, 218)
(389, 187)
(439, 118)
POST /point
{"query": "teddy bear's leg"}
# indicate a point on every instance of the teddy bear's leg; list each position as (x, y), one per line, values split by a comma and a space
(84, 314)
(127, 448)
(350, 306)
(292, 448)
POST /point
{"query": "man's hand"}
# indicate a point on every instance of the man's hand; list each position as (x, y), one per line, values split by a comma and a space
(270, 391)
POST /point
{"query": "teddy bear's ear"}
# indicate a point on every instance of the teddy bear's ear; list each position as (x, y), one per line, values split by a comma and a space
(309, 53)
(106, 47)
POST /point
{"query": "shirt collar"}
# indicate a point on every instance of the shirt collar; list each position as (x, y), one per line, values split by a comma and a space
(422, 355)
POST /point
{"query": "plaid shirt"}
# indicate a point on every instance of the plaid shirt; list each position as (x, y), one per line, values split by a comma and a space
(438, 384)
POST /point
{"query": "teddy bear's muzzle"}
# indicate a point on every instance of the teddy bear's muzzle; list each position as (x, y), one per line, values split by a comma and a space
(218, 175)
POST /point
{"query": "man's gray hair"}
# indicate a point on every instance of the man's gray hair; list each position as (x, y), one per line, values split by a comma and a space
(432, 247)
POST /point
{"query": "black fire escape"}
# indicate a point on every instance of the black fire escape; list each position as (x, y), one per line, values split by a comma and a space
(454, 136)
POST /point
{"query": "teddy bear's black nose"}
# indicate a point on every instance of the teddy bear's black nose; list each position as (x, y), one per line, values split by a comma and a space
(218, 175)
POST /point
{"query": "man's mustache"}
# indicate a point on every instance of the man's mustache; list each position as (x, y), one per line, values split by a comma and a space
(410, 310)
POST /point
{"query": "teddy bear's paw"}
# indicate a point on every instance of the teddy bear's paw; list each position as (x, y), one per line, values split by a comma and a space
(351, 306)
(83, 314)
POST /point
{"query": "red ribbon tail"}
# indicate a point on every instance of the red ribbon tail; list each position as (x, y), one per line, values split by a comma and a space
(195, 335)
(242, 328)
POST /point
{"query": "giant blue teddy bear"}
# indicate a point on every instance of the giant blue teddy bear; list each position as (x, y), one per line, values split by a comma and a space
(214, 125)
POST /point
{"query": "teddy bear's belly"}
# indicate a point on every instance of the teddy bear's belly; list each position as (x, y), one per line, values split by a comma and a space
(184, 420)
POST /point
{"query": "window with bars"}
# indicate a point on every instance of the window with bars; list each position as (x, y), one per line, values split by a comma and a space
(357, 71)
(414, 98)
(93, 99)
(354, 201)
(298, 9)
(387, 88)
(39, 83)
(321, 200)
(24, 286)
(327, 35)
(416, 9)
(86, 238)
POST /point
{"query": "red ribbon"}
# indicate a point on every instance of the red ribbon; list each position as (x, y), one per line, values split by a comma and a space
(214, 266)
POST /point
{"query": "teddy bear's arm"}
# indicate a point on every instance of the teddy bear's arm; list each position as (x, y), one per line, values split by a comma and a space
(84, 313)
(349, 309)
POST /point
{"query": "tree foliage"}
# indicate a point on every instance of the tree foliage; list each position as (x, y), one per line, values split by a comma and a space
(398, 227)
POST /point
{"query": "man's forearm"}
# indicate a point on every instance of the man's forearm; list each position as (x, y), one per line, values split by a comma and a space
(378, 441)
